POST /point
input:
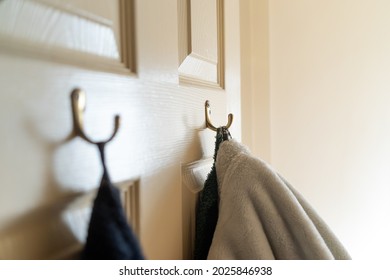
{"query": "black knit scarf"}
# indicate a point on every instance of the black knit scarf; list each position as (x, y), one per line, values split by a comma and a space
(207, 207)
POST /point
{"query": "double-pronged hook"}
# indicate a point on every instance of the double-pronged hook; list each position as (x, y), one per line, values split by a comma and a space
(78, 99)
(207, 116)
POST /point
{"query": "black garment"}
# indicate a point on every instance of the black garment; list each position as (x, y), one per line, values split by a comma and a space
(207, 208)
(110, 237)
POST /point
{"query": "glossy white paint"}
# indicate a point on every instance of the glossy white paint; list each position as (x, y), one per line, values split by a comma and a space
(201, 52)
(43, 172)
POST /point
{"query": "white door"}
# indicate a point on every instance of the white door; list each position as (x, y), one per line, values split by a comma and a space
(153, 62)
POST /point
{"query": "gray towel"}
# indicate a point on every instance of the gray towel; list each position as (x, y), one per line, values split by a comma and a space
(262, 217)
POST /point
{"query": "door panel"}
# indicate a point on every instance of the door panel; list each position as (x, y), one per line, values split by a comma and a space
(201, 42)
(45, 173)
(80, 32)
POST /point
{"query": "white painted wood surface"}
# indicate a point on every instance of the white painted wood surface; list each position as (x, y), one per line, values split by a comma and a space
(43, 172)
(70, 32)
(194, 175)
(201, 42)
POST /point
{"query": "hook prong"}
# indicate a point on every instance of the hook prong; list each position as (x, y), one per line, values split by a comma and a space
(78, 100)
(208, 121)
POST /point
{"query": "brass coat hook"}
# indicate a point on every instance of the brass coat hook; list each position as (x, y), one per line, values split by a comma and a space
(207, 111)
(78, 99)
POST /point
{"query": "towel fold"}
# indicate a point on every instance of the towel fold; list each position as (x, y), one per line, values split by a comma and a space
(261, 216)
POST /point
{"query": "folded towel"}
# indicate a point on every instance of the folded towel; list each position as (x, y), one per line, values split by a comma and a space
(262, 217)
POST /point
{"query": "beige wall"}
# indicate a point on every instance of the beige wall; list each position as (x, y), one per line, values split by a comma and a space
(255, 98)
(330, 113)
